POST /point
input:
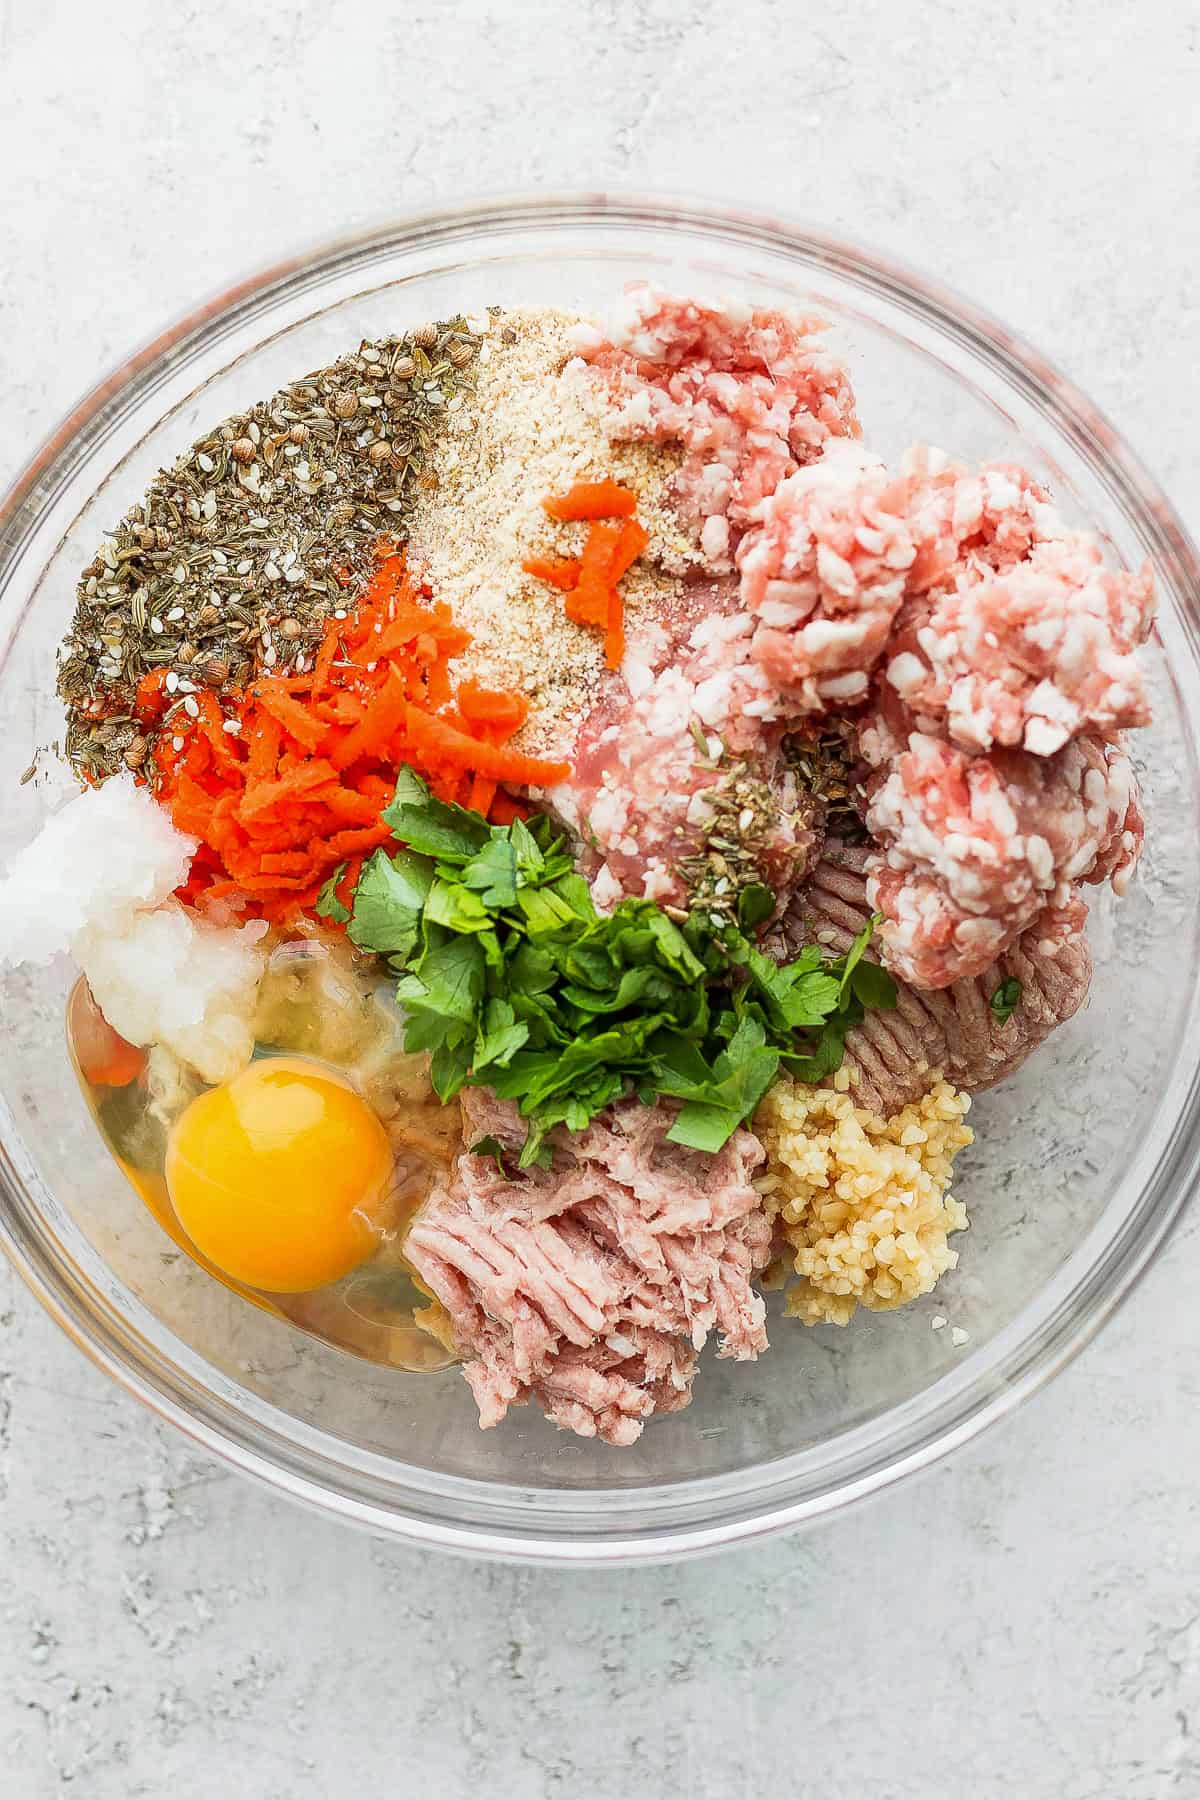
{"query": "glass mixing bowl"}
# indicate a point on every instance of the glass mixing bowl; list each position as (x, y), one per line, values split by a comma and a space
(1082, 1162)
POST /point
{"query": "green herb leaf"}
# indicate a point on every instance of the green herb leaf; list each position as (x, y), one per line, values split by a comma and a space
(328, 905)
(493, 871)
(453, 906)
(756, 903)
(741, 1075)
(873, 986)
(544, 912)
(491, 1146)
(854, 955)
(448, 980)
(433, 827)
(1005, 1000)
(449, 1067)
(817, 1064)
(388, 903)
(501, 1037)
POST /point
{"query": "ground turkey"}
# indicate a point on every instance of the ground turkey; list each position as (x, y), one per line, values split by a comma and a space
(590, 1288)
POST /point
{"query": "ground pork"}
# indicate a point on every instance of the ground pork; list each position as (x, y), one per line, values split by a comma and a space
(893, 1055)
(750, 394)
(675, 752)
(971, 849)
(970, 522)
(591, 1288)
(823, 572)
(1030, 656)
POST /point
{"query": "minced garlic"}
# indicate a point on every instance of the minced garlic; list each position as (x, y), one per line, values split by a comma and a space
(864, 1202)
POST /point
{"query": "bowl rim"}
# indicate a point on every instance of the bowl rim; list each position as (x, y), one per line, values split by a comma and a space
(1026, 1362)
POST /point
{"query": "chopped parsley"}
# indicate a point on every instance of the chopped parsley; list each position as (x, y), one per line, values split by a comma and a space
(512, 980)
(328, 905)
(1005, 1000)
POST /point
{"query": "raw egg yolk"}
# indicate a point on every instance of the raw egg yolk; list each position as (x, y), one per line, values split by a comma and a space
(281, 1176)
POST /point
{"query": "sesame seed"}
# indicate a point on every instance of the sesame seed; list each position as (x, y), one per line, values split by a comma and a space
(172, 682)
(191, 707)
(938, 1322)
(958, 1337)
(177, 743)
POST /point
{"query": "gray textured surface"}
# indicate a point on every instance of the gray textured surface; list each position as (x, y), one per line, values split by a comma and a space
(1024, 1620)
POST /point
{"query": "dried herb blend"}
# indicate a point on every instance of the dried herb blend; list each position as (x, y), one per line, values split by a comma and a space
(267, 525)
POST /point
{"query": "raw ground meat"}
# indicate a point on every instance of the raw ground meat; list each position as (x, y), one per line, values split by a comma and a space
(677, 740)
(970, 849)
(1013, 631)
(995, 650)
(1030, 656)
(892, 1056)
(968, 523)
(591, 1288)
(823, 571)
(751, 395)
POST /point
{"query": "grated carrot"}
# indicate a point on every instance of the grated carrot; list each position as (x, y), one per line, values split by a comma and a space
(297, 791)
(589, 581)
(559, 571)
(297, 720)
(592, 500)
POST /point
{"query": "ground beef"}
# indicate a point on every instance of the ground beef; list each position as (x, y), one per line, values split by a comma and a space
(892, 1056)
(590, 1288)
(750, 394)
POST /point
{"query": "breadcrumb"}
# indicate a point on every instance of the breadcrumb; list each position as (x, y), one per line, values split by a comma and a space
(863, 1201)
(538, 423)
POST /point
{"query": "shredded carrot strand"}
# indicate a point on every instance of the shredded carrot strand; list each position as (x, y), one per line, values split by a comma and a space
(592, 500)
(559, 571)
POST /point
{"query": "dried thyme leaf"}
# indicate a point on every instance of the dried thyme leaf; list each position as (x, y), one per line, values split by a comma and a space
(826, 765)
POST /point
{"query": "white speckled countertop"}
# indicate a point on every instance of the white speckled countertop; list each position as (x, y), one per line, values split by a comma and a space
(1023, 1621)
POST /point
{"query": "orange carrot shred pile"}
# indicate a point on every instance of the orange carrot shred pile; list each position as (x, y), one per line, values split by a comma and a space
(589, 580)
(291, 787)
